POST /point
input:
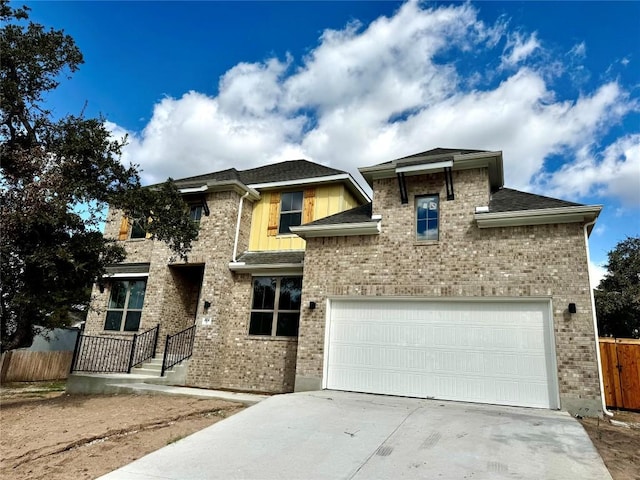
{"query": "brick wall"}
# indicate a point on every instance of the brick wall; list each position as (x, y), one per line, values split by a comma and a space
(224, 356)
(544, 260)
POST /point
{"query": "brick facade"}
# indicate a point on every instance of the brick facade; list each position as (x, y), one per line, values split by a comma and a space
(543, 261)
(527, 261)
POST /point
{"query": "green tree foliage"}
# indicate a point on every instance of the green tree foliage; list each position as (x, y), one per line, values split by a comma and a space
(57, 175)
(618, 295)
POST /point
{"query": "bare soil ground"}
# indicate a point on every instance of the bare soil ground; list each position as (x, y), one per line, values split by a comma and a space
(46, 433)
(618, 442)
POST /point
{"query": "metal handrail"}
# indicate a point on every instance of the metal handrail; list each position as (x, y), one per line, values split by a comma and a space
(101, 354)
(113, 355)
(177, 348)
(144, 346)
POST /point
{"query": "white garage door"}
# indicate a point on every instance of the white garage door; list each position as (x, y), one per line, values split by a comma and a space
(473, 351)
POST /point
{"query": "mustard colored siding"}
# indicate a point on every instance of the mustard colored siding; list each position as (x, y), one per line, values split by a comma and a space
(329, 199)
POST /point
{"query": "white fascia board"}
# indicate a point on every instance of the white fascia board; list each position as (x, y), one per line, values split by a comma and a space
(538, 217)
(203, 188)
(316, 180)
(236, 186)
(425, 167)
(478, 155)
(338, 230)
(266, 268)
(126, 275)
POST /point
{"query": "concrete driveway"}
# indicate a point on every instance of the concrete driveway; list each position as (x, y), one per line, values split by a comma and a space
(341, 435)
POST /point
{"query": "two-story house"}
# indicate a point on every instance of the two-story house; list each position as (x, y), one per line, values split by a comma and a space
(241, 285)
(447, 285)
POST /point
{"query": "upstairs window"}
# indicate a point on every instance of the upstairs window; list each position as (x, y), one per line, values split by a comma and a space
(138, 226)
(290, 211)
(275, 306)
(125, 305)
(427, 218)
(195, 213)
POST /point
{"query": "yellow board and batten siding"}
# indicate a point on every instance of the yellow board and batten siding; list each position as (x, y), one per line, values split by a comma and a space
(318, 202)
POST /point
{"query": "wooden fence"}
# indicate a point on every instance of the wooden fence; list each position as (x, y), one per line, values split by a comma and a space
(27, 366)
(621, 372)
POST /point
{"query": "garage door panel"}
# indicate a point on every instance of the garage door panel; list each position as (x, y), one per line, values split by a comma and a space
(488, 352)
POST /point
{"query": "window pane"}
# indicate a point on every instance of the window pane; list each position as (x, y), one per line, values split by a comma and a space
(289, 220)
(118, 294)
(288, 324)
(136, 294)
(290, 290)
(427, 218)
(132, 322)
(260, 323)
(195, 213)
(114, 318)
(138, 229)
(291, 201)
(264, 293)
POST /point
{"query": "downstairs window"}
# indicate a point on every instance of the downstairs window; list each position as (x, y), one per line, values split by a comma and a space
(125, 305)
(275, 306)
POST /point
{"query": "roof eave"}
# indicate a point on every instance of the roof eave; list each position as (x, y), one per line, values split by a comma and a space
(546, 216)
(266, 268)
(340, 177)
(338, 230)
(462, 161)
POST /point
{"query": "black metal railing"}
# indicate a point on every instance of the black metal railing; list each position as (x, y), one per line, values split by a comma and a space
(177, 348)
(113, 355)
(144, 346)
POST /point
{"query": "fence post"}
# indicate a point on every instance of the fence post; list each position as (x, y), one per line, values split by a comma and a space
(164, 356)
(155, 341)
(133, 351)
(75, 352)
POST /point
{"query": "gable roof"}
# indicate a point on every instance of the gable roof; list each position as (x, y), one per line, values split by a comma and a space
(511, 208)
(509, 200)
(275, 172)
(433, 155)
(290, 261)
(437, 160)
(275, 175)
(357, 221)
(355, 215)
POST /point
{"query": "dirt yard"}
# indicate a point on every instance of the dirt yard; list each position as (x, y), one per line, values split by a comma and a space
(46, 433)
(618, 442)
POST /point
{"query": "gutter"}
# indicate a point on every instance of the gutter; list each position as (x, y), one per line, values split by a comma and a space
(595, 321)
(338, 230)
(538, 216)
(235, 243)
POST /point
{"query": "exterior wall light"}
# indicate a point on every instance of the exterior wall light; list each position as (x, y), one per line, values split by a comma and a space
(572, 308)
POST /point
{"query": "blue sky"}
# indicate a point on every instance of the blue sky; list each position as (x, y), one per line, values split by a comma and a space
(205, 86)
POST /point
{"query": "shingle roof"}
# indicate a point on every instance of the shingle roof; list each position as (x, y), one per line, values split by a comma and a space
(434, 152)
(271, 258)
(509, 200)
(276, 172)
(355, 215)
(286, 171)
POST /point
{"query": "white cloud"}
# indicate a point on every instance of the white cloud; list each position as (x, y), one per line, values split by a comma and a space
(367, 94)
(613, 173)
(579, 50)
(518, 49)
(596, 273)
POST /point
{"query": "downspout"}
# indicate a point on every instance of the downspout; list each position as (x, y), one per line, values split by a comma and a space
(595, 322)
(235, 243)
